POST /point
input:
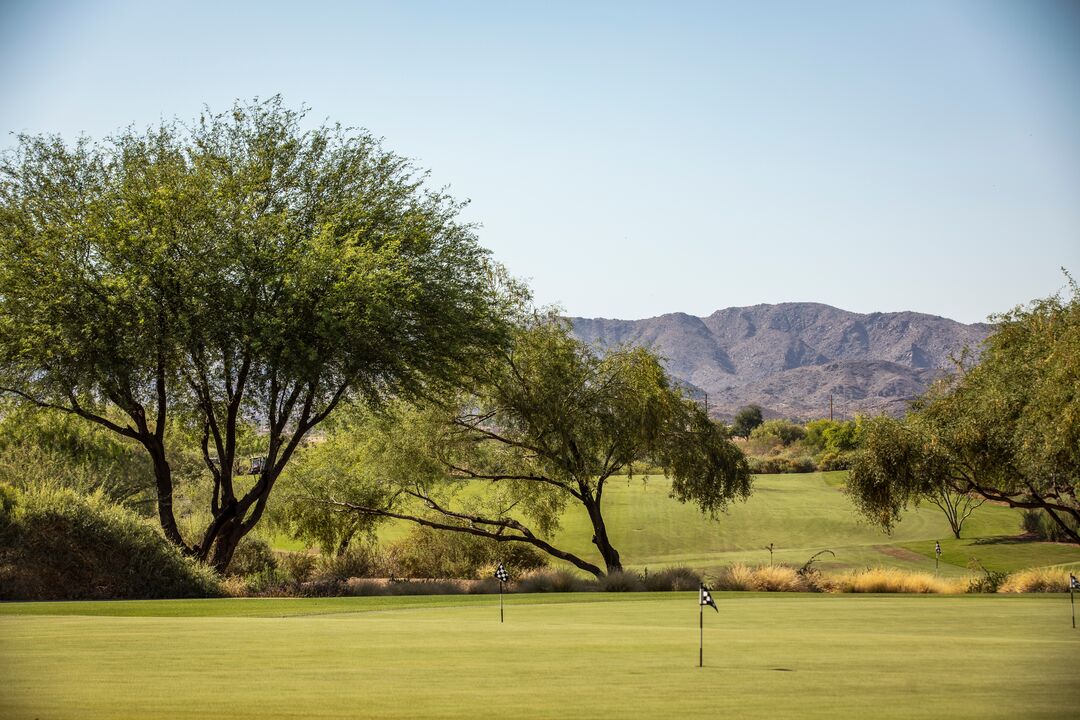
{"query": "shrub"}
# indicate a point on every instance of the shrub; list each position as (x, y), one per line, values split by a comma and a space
(252, 556)
(546, 580)
(430, 553)
(269, 582)
(832, 460)
(782, 464)
(1036, 580)
(299, 566)
(485, 586)
(360, 560)
(762, 578)
(57, 544)
(784, 430)
(620, 581)
(892, 580)
(1036, 522)
(672, 579)
(988, 582)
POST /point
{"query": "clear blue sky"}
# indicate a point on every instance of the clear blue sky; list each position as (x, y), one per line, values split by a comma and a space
(633, 159)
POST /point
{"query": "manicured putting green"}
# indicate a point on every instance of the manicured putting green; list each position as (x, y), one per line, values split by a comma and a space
(592, 655)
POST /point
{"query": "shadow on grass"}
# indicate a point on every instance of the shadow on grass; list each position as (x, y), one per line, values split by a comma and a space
(1006, 540)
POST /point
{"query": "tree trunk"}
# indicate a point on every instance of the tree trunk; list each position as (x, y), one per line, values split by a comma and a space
(164, 486)
(600, 538)
(232, 532)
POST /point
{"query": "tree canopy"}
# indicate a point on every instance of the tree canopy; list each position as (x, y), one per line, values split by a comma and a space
(548, 423)
(236, 269)
(1006, 429)
(748, 418)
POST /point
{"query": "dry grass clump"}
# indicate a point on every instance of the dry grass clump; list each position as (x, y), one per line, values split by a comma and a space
(1037, 580)
(893, 580)
(762, 578)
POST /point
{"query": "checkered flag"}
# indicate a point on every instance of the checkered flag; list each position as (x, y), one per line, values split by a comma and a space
(501, 574)
(1074, 584)
(704, 598)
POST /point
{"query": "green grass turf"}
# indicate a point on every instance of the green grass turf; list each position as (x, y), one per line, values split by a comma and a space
(593, 655)
(800, 514)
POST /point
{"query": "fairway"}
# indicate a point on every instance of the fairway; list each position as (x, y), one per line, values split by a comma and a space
(589, 655)
(800, 514)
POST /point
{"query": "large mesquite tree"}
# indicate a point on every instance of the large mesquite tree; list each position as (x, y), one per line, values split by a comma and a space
(237, 269)
(546, 425)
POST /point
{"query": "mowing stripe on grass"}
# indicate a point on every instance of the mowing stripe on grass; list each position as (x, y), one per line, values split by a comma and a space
(588, 655)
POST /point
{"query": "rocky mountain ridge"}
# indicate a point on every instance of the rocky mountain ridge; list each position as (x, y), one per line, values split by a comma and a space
(791, 357)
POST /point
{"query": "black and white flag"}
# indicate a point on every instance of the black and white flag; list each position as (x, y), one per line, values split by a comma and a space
(1074, 584)
(704, 598)
(501, 574)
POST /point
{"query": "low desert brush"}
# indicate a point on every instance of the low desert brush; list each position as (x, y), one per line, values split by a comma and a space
(763, 578)
(1036, 580)
(894, 580)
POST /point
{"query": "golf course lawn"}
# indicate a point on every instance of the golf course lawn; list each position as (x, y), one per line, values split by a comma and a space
(800, 515)
(560, 656)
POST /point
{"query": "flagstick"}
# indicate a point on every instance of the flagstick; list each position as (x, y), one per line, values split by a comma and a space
(1072, 601)
(701, 633)
(501, 601)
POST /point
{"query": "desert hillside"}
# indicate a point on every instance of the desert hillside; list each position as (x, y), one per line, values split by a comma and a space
(790, 358)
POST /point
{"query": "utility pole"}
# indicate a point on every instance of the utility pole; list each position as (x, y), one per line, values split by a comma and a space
(830, 407)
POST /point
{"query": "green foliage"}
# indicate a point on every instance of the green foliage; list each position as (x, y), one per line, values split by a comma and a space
(298, 566)
(785, 431)
(428, 553)
(253, 556)
(241, 268)
(985, 580)
(746, 419)
(331, 469)
(54, 448)
(1006, 429)
(359, 560)
(833, 436)
(674, 579)
(1038, 523)
(777, 464)
(546, 425)
(56, 544)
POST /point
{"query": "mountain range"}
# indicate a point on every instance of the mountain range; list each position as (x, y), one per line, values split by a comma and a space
(792, 359)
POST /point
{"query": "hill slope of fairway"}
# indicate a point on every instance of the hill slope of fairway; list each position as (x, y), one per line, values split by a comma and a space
(800, 514)
(594, 655)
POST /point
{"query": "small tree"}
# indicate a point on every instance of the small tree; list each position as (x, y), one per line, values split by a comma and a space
(901, 464)
(1005, 429)
(746, 420)
(329, 468)
(551, 421)
(238, 269)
